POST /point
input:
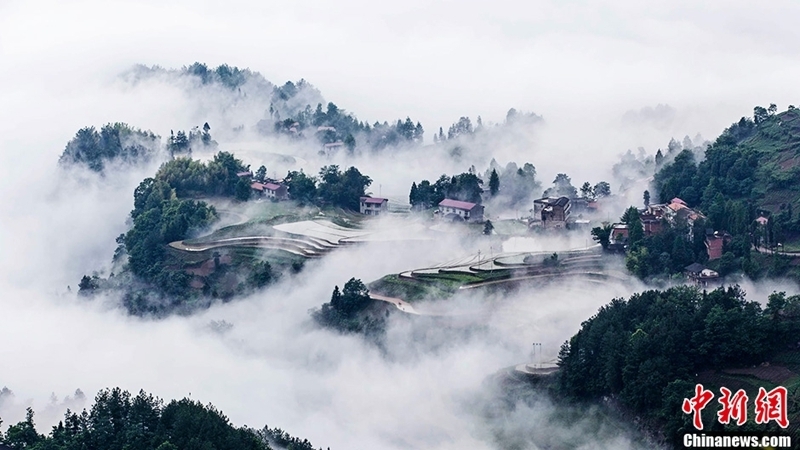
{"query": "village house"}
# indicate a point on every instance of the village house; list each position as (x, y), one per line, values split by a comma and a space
(552, 212)
(456, 210)
(676, 210)
(271, 191)
(373, 206)
(619, 233)
(651, 223)
(582, 205)
(700, 275)
(332, 148)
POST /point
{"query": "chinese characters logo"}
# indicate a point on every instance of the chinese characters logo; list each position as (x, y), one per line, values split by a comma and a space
(769, 406)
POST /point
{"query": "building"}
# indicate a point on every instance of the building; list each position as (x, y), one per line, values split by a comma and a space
(676, 210)
(700, 275)
(271, 191)
(651, 224)
(582, 205)
(619, 233)
(553, 212)
(457, 210)
(331, 148)
(373, 206)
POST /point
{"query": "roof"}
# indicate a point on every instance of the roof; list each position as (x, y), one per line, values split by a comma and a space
(376, 200)
(553, 201)
(694, 268)
(677, 206)
(272, 186)
(708, 273)
(762, 220)
(258, 186)
(457, 204)
(678, 200)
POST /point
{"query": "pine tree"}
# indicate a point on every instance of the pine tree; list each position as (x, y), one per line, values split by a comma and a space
(494, 183)
(413, 197)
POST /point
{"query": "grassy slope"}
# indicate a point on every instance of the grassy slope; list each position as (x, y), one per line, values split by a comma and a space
(778, 145)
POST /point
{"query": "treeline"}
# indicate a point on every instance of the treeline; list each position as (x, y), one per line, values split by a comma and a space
(464, 128)
(333, 187)
(512, 186)
(114, 142)
(119, 142)
(218, 177)
(332, 124)
(182, 143)
(230, 77)
(119, 420)
(465, 187)
(645, 351)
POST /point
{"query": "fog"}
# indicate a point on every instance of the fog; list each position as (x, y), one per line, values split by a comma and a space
(605, 79)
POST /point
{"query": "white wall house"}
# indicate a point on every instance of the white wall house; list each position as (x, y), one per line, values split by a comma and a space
(373, 206)
(456, 209)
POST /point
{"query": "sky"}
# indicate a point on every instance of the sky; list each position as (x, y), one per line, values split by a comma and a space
(606, 77)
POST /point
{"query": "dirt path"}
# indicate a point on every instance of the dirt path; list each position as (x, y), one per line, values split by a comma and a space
(400, 304)
(779, 252)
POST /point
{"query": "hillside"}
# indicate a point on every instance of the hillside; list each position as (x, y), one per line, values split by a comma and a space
(647, 353)
(745, 185)
(118, 419)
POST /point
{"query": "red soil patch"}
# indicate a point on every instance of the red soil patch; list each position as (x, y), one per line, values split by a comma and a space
(789, 163)
(207, 268)
(773, 373)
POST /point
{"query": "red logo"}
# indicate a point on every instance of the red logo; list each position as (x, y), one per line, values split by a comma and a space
(733, 407)
(697, 403)
(772, 406)
(769, 406)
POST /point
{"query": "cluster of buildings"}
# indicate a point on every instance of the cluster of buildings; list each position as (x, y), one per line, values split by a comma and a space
(653, 218)
(269, 188)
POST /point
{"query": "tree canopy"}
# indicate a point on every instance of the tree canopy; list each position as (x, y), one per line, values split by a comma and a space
(118, 420)
(114, 142)
(465, 187)
(656, 341)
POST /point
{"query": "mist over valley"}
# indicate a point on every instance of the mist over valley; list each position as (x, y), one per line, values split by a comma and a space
(533, 238)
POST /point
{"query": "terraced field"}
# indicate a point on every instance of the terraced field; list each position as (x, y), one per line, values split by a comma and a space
(505, 269)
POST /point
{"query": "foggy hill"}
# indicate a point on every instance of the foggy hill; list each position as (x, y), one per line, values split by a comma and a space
(749, 172)
(118, 419)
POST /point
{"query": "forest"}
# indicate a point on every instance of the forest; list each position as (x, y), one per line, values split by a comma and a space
(118, 420)
(115, 142)
(645, 352)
